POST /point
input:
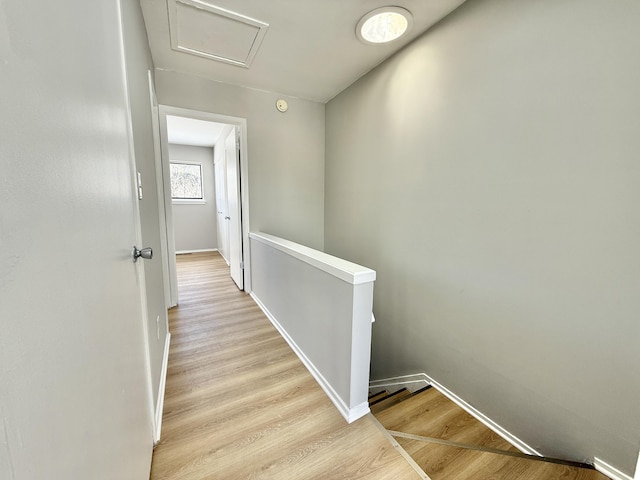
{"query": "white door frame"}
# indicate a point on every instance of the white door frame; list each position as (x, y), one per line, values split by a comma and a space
(155, 126)
(165, 191)
(157, 150)
(139, 267)
(241, 125)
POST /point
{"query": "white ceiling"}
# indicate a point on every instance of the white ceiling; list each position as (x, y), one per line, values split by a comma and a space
(189, 131)
(310, 49)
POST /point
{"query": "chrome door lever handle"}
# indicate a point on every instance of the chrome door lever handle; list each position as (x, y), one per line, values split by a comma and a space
(227, 218)
(144, 253)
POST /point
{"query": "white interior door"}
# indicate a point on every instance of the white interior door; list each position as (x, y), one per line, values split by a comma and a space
(234, 217)
(74, 391)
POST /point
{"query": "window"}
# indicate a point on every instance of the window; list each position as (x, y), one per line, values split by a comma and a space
(186, 181)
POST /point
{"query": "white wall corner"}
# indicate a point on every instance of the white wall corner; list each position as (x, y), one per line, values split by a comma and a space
(610, 471)
(357, 412)
(350, 414)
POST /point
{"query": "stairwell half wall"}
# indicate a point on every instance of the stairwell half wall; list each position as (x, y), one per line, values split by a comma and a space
(321, 305)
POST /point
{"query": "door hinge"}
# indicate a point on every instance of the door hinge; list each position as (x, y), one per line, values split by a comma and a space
(238, 143)
(241, 265)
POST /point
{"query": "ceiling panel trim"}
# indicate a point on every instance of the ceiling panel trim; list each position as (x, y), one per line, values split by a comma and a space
(248, 32)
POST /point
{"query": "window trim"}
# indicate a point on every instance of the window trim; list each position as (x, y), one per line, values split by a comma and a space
(187, 201)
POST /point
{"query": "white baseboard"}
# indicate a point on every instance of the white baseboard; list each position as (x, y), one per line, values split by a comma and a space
(413, 381)
(349, 414)
(610, 471)
(161, 388)
(203, 250)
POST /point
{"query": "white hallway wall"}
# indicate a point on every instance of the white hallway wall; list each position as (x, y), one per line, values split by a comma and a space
(285, 152)
(489, 173)
(195, 223)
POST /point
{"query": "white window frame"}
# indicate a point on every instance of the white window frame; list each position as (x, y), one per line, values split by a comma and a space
(192, 201)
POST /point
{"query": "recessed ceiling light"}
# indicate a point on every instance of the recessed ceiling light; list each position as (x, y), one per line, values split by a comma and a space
(384, 25)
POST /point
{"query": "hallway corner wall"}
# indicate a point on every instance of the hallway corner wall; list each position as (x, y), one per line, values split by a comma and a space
(285, 152)
(489, 173)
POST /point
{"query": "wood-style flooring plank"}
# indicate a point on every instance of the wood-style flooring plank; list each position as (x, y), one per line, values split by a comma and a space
(443, 462)
(431, 414)
(240, 405)
(436, 419)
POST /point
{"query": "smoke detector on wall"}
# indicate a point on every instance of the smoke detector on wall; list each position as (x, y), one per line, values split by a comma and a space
(282, 105)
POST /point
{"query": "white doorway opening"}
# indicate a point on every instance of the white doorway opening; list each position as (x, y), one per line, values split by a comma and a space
(232, 189)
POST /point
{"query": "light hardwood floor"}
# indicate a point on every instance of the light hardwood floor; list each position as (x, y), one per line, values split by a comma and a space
(448, 443)
(240, 405)
(431, 414)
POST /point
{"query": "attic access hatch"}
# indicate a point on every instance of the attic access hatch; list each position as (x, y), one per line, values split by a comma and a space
(212, 32)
